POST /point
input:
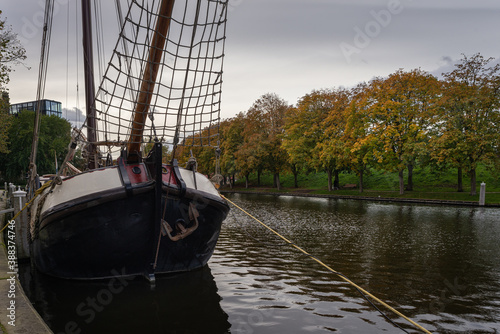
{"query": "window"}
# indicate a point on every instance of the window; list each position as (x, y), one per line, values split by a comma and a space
(47, 107)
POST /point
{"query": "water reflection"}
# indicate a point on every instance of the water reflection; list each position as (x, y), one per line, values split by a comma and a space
(183, 303)
(439, 265)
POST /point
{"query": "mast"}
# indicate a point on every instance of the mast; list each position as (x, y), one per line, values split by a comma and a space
(42, 73)
(89, 83)
(148, 80)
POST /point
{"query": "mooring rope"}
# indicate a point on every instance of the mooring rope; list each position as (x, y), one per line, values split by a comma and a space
(38, 192)
(342, 276)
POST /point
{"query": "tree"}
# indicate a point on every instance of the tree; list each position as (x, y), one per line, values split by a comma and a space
(331, 147)
(468, 130)
(165, 151)
(231, 140)
(5, 121)
(201, 146)
(250, 154)
(274, 109)
(55, 135)
(306, 139)
(303, 129)
(11, 53)
(294, 142)
(357, 148)
(262, 137)
(400, 110)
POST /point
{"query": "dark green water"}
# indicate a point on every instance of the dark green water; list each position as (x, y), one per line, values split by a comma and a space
(439, 265)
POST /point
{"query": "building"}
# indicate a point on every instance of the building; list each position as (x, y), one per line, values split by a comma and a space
(48, 107)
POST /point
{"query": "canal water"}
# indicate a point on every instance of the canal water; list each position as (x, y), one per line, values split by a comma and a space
(439, 265)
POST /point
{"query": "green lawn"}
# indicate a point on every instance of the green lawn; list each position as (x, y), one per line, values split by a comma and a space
(428, 184)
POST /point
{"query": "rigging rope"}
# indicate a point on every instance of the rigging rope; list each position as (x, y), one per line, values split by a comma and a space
(360, 289)
(42, 75)
(186, 97)
(52, 183)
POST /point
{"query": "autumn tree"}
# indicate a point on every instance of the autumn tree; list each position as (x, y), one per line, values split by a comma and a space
(356, 146)
(400, 109)
(231, 139)
(263, 136)
(292, 137)
(469, 128)
(330, 149)
(201, 146)
(250, 154)
(165, 151)
(306, 133)
(303, 129)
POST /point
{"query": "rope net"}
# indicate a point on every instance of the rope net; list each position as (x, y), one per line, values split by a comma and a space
(184, 102)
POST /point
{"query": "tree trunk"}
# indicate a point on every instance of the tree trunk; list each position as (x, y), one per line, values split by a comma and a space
(336, 182)
(409, 186)
(232, 183)
(246, 180)
(361, 181)
(258, 177)
(329, 172)
(277, 181)
(401, 182)
(473, 181)
(295, 176)
(460, 180)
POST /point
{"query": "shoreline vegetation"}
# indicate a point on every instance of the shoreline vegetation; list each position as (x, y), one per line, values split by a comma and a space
(417, 198)
(409, 135)
(406, 136)
(430, 188)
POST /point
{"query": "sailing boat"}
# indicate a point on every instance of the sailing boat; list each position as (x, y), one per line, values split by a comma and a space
(139, 215)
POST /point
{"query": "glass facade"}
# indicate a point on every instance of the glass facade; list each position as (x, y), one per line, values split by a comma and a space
(48, 107)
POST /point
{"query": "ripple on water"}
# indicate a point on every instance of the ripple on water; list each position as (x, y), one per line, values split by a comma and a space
(439, 265)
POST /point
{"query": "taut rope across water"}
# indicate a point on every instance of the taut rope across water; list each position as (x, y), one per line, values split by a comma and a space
(342, 276)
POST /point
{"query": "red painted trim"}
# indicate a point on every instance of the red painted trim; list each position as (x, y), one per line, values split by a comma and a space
(168, 176)
(136, 178)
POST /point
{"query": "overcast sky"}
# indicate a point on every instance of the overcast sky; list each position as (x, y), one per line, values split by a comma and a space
(287, 47)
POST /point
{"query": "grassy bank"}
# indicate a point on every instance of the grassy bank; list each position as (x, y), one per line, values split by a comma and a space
(428, 184)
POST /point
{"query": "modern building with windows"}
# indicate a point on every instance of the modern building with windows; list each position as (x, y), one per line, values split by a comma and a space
(48, 107)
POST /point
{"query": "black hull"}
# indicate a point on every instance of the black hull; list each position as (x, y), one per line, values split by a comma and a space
(119, 236)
